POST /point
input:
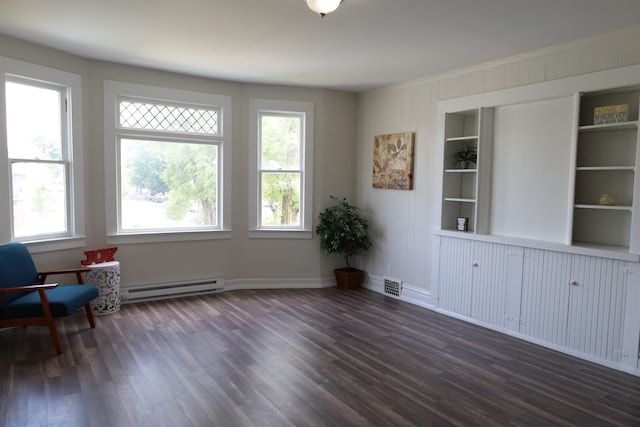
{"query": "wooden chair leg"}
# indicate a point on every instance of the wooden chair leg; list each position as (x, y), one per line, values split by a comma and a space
(53, 330)
(55, 337)
(92, 319)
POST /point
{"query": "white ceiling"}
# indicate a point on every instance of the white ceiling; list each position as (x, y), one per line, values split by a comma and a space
(363, 45)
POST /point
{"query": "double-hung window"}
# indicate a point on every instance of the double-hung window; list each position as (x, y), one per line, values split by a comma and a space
(281, 168)
(164, 162)
(42, 174)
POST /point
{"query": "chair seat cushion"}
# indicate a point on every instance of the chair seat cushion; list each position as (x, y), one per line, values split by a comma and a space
(63, 301)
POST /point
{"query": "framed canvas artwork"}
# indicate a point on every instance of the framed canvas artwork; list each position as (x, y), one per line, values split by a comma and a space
(393, 161)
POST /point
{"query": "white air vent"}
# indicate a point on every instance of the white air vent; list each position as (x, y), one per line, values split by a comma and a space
(392, 287)
(171, 290)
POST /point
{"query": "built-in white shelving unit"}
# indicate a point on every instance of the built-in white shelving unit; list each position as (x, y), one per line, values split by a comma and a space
(552, 254)
(606, 161)
(463, 184)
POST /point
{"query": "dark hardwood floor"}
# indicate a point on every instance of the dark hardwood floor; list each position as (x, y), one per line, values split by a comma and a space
(320, 357)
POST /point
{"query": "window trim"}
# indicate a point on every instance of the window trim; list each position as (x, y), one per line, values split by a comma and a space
(256, 107)
(14, 70)
(115, 91)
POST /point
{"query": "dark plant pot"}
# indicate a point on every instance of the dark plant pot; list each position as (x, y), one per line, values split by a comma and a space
(349, 278)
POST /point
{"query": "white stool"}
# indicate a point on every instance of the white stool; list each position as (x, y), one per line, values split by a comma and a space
(106, 277)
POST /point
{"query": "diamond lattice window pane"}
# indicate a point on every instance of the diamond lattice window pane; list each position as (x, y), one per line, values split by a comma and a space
(168, 118)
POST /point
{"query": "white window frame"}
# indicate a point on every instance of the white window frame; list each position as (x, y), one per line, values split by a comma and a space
(113, 93)
(256, 107)
(71, 85)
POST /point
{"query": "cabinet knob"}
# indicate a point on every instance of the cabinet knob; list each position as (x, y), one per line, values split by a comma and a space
(474, 264)
(573, 283)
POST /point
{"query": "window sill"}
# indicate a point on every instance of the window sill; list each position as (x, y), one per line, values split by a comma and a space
(280, 234)
(161, 237)
(37, 246)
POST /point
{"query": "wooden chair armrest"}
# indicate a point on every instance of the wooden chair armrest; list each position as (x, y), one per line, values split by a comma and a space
(27, 288)
(77, 271)
(44, 301)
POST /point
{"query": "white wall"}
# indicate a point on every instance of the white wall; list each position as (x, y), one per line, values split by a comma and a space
(403, 220)
(240, 261)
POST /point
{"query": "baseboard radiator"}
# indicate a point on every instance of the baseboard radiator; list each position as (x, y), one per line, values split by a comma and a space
(171, 290)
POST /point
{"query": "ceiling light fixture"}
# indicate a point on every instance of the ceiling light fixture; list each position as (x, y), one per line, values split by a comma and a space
(323, 7)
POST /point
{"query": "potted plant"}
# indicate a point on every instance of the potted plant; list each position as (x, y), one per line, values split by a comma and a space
(343, 231)
(465, 156)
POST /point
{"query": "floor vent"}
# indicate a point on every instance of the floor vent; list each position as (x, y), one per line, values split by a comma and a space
(392, 287)
(171, 290)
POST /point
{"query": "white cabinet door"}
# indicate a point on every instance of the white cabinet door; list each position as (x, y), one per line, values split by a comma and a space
(490, 287)
(596, 306)
(574, 301)
(497, 284)
(477, 280)
(631, 334)
(454, 290)
(545, 295)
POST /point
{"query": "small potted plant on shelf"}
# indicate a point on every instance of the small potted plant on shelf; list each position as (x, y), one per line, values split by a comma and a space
(466, 156)
(343, 231)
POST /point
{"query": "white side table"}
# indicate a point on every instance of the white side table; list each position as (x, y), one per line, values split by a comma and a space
(106, 277)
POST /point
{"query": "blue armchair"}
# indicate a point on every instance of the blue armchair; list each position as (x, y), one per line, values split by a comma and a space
(25, 299)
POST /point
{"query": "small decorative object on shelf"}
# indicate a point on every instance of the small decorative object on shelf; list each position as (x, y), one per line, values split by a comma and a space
(463, 223)
(611, 114)
(99, 256)
(466, 156)
(608, 199)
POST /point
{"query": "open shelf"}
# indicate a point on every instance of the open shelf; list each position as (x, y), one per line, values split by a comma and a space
(470, 138)
(602, 227)
(453, 199)
(604, 207)
(606, 160)
(461, 181)
(471, 170)
(607, 127)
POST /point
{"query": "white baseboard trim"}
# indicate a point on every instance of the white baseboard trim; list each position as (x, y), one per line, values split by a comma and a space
(237, 284)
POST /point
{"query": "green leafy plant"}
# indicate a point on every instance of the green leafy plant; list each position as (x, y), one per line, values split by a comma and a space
(343, 231)
(468, 154)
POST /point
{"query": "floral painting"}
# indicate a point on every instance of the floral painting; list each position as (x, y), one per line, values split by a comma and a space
(393, 161)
